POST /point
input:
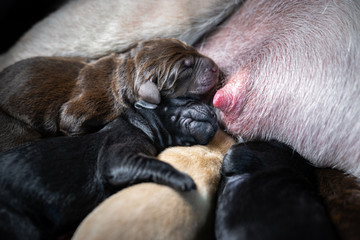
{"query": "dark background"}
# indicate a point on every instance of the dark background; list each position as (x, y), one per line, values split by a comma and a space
(17, 16)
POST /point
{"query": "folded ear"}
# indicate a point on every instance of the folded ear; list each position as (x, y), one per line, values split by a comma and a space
(149, 92)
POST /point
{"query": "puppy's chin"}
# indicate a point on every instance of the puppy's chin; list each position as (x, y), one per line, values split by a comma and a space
(205, 96)
(203, 89)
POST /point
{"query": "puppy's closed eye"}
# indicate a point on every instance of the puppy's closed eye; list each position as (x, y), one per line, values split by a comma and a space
(189, 63)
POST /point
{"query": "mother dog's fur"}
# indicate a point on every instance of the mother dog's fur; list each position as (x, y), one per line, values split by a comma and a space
(50, 96)
(92, 28)
(150, 211)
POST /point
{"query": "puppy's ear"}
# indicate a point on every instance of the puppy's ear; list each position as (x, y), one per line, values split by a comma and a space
(149, 92)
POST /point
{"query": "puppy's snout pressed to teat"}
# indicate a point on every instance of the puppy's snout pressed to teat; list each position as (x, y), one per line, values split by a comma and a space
(210, 66)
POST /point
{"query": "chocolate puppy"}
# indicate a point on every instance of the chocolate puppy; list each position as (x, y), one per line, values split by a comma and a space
(50, 185)
(52, 96)
(268, 191)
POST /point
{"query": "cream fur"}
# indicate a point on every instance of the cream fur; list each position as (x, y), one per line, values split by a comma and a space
(93, 28)
(150, 211)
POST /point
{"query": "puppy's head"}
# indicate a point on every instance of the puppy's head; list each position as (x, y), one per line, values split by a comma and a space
(256, 156)
(188, 121)
(169, 68)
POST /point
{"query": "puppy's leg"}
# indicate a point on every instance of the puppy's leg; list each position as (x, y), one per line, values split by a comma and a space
(180, 121)
(122, 169)
(152, 211)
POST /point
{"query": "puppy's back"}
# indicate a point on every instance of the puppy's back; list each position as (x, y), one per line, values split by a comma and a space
(31, 92)
(268, 191)
(37, 83)
(150, 211)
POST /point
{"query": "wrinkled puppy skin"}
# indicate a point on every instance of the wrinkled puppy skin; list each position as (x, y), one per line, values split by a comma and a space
(52, 96)
(50, 185)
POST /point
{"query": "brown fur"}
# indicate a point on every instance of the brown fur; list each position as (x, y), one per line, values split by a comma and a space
(151, 211)
(70, 96)
(341, 194)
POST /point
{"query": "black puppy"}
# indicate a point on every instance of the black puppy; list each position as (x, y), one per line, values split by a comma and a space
(49, 186)
(268, 191)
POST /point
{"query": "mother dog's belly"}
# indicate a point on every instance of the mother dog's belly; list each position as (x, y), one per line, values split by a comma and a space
(293, 76)
(92, 28)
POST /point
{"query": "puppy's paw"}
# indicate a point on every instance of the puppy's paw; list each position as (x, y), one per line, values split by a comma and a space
(191, 122)
(198, 123)
(137, 168)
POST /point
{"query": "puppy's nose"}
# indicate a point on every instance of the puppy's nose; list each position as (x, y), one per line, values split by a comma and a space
(214, 69)
(210, 66)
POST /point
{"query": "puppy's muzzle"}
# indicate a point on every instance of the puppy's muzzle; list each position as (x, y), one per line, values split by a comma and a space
(208, 78)
(199, 122)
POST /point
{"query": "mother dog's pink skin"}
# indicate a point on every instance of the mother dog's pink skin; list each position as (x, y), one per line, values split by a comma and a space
(293, 75)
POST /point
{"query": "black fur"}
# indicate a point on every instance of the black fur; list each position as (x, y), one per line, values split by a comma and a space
(268, 191)
(49, 186)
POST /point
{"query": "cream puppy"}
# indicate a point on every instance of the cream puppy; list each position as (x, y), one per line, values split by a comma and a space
(156, 212)
(92, 28)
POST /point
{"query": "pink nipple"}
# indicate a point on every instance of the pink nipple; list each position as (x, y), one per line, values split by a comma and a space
(230, 98)
(221, 100)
